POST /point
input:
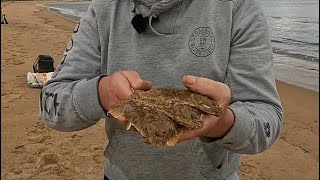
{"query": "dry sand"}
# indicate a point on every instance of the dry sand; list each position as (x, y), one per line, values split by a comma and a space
(32, 151)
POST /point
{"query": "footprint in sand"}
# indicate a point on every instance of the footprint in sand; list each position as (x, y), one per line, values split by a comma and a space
(15, 60)
(30, 148)
(37, 136)
(30, 167)
(25, 99)
(64, 148)
(19, 45)
(99, 159)
(21, 51)
(76, 138)
(18, 62)
(96, 147)
(25, 169)
(15, 174)
(54, 164)
(13, 54)
(248, 170)
(19, 32)
(38, 133)
(13, 96)
(19, 149)
(40, 125)
(47, 159)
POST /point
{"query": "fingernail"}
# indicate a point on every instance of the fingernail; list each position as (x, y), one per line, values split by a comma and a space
(190, 79)
(146, 83)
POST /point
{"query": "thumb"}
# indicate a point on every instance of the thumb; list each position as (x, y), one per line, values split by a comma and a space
(189, 134)
(135, 81)
(144, 85)
(213, 89)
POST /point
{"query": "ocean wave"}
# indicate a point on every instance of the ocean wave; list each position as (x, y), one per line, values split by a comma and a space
(295, 55)
(308, 22)
(291, 41)
(278, 41)
(66, 11)
(276, 17)
(304, 20)
(303, 42)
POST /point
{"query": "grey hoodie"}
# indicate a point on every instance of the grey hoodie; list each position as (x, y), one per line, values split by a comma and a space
(227, 41)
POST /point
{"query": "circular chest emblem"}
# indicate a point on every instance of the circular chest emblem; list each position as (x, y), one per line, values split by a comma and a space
(201, 42)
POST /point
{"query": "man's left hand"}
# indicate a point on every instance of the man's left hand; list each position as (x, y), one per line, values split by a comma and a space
(213, 126)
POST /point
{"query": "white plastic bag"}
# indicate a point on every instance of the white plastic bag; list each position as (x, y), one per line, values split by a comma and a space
(38, 80)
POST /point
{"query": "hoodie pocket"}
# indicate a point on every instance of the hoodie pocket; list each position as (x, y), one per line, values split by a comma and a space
(128, 155)
(112, 146)
(212, 160)
(131, 157)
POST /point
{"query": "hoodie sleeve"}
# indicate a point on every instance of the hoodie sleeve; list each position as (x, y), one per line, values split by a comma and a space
(255, 101)
(70, 101)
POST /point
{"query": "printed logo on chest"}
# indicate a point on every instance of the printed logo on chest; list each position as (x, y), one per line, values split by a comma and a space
(201, 42)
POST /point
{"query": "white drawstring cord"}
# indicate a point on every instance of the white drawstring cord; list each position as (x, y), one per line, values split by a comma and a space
(150, 24)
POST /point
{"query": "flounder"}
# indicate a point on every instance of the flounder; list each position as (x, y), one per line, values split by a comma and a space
(161, 114)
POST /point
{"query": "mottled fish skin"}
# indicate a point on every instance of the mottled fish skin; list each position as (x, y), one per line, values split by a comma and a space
(188, 116)
(151, 123)
(203, 103)
(160, 114)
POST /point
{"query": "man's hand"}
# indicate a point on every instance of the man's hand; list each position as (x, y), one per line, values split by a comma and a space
(220, 93)
(112, 89)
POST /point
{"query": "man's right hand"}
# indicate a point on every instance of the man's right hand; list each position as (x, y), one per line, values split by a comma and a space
(112, 89)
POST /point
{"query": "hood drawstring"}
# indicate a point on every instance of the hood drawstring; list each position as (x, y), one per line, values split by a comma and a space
(140, 23)
(153, 16)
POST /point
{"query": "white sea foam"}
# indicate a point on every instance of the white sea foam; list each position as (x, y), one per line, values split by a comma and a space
(297, 72)
(63, 10)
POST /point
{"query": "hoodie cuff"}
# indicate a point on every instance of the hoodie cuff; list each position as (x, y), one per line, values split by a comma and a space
(241, 132)
(86, 100)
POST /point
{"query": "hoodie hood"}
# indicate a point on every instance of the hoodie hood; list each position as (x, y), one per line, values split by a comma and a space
(152, 8)
(147, 3)
(156, 6)
(162, 6)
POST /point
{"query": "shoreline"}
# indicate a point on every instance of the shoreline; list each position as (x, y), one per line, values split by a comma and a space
(58, 13)
(305, 83)
(30, 150)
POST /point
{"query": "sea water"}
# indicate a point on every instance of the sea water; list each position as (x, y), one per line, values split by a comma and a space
(294, 26)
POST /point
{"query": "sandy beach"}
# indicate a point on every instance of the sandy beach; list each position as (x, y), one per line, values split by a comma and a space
(30, 150)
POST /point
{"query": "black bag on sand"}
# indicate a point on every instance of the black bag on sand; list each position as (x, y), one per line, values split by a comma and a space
(43, 64)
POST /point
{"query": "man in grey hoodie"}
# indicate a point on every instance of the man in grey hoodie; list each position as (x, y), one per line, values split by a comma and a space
(218, 48)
